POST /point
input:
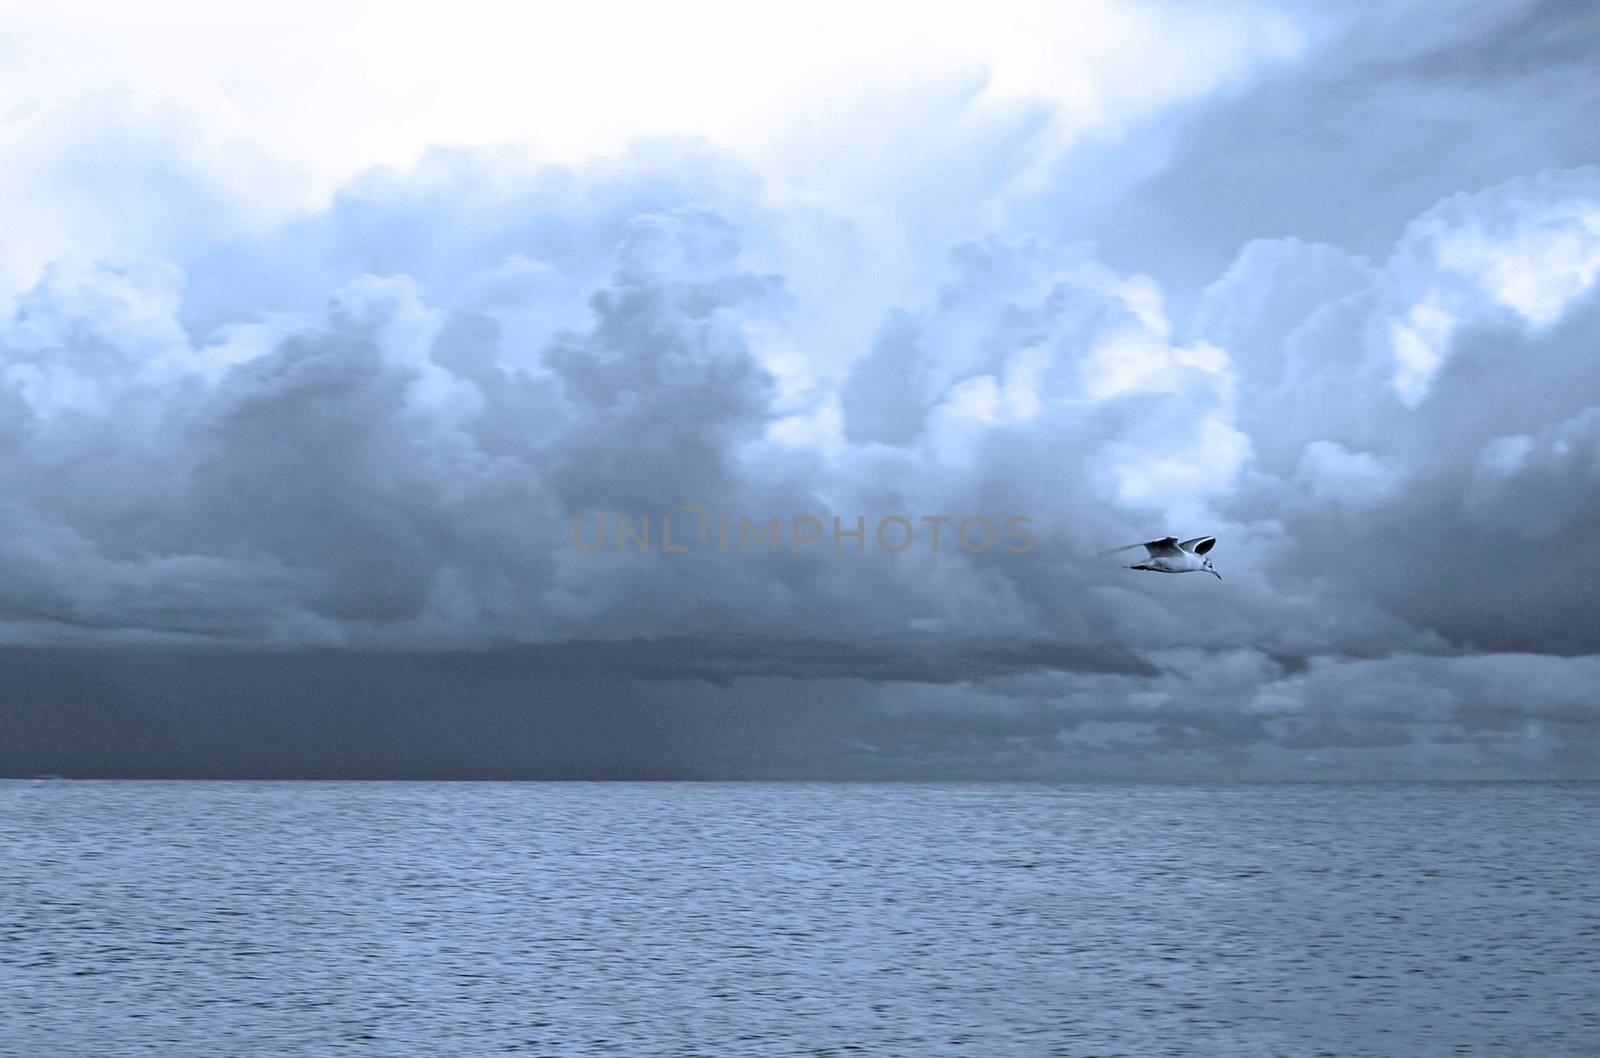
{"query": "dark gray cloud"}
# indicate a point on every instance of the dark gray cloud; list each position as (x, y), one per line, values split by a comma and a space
(596, 711)
(302, 503)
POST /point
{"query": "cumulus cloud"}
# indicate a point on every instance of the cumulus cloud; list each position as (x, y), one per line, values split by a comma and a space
(369, 431)
(1439, 439)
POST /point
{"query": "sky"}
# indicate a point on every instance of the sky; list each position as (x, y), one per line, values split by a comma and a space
(332, 334)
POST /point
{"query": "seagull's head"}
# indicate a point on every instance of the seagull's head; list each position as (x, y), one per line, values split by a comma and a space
(1211, 569)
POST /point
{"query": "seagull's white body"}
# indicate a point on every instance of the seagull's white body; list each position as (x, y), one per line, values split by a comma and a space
(1167, 555)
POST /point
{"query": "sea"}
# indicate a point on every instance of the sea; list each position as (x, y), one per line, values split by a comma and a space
(701, 919)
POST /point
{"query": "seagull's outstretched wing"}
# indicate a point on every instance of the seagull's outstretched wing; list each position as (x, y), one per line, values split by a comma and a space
(1167, 546)
(1199, 545)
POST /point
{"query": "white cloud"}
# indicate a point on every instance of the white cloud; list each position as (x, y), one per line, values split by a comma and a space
(1331, 474)
(1531, 246)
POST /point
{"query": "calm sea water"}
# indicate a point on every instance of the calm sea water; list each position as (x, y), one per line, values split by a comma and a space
(414, 919)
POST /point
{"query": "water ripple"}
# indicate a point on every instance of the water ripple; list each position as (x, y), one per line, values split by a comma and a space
(412, 919)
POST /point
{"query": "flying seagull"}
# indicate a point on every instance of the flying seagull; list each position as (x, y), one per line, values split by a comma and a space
(1168, 556)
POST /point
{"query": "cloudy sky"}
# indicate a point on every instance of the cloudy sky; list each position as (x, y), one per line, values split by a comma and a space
(321, 326)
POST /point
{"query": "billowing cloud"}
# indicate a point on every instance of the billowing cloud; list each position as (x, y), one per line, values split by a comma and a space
(414, 424)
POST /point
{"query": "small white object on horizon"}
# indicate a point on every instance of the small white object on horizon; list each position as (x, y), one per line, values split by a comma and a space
(1168, 556)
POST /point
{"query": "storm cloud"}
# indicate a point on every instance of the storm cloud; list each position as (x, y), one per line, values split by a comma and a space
(301, 501)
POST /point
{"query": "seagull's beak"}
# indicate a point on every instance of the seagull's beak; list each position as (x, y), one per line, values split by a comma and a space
(1215, 574)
